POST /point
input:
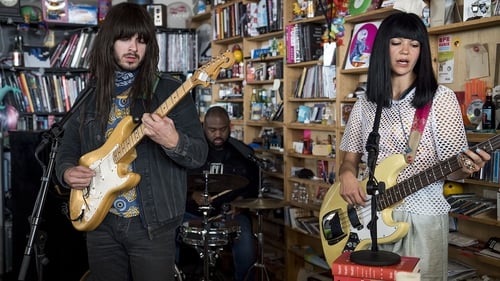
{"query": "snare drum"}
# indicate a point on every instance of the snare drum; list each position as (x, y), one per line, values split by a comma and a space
(219, 233)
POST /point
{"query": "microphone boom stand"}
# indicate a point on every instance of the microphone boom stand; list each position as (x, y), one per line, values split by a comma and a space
(53, 136)
(373, 188)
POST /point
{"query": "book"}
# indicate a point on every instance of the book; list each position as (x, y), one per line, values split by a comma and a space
(350, 278)
(82, 40)
(26, 92)
(304, 114)
(400, 276)
(300, 86)
(70, 50)
(459, 271)
(294, 213)
(55, 58)
(310, 224)
(310, 82)
(461, 240)
(343, 266)
(360, 46)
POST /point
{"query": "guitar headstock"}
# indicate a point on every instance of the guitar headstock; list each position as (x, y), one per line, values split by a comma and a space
(209, 72)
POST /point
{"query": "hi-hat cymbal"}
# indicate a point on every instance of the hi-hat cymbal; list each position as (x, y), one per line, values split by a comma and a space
(216, 183)
(258, 203)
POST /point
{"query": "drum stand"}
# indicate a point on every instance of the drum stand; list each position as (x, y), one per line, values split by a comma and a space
(206, 254)
(259, 264)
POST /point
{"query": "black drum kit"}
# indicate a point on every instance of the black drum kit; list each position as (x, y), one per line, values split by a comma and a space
(209, 235)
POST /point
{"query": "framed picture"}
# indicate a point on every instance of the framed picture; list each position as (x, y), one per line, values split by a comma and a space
(260, 71)
(360, 46)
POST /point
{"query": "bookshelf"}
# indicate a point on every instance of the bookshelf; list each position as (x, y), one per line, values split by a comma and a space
(254, 119)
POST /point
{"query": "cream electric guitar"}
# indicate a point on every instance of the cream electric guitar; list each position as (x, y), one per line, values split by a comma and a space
(111, 161)
(345, 228)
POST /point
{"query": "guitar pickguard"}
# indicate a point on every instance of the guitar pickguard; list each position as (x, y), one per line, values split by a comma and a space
(355, 237)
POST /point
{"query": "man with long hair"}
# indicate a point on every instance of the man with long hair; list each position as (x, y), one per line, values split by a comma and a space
(136, 238)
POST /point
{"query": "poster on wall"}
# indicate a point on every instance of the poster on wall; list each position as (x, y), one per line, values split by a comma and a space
(446, 59)
(360, 47)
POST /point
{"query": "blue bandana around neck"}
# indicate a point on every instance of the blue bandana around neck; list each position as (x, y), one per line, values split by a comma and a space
(123, 80)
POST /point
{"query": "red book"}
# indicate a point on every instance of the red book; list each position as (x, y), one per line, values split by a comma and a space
(401, 275)
(343, 266)
(350, 278)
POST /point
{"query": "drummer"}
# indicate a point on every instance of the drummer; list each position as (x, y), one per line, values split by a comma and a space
(228, 156)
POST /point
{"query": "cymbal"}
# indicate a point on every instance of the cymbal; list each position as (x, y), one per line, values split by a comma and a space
(258, 203)
(216, 183)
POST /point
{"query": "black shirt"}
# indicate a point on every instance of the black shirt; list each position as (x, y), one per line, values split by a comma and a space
(227, 161)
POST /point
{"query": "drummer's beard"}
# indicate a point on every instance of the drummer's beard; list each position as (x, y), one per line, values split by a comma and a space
(218, 143)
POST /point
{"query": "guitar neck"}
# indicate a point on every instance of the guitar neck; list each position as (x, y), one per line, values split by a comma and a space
(136, 136)
(411, 185)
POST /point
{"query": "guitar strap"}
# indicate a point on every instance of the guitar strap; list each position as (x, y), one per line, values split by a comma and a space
(417, 129)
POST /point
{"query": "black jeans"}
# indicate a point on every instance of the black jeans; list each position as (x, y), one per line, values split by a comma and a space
(120, 250)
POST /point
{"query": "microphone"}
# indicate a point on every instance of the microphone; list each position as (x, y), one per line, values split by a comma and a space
(247, 152)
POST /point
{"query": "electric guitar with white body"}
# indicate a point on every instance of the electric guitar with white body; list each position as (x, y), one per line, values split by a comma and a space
(345, 228)
(111, 161)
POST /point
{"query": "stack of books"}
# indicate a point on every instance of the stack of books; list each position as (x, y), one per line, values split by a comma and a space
(343, 269)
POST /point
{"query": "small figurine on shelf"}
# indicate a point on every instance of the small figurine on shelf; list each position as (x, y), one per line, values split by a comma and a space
(299, 9)
(238, 53)
(281, 47)
(337, 29)
(273, 50)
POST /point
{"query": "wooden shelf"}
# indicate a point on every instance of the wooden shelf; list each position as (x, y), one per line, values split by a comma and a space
(266, 59)
(235, 100)
(226, 41)
(479, 136)
(318, 182)
(228, 80)
(303, 64)
(470, 257)
(488, 218)
(265, 36)
(465, 26)
(377, 14)
(203, 16)
(482, 183)
(302, 100)
(291, 153)
(312, 126)
(264, 123)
